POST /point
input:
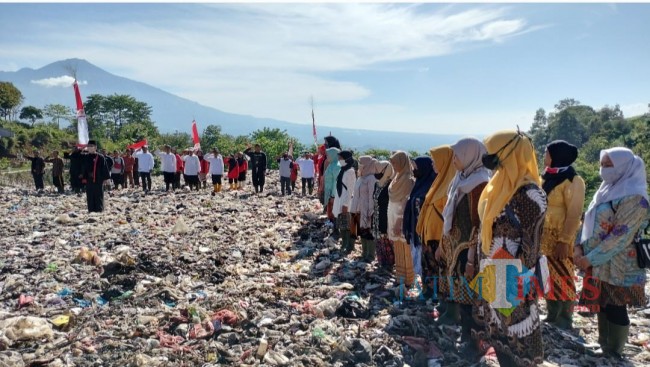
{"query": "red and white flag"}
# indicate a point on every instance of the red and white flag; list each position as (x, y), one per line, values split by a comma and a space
(195, 136)
(138, 145)
(82, 124)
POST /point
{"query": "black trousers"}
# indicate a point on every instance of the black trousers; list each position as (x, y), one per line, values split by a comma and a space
(170, 178)
(177, 180)
(38, 181)
(216, 179)
(75, 182)
(285, 185)
(192, 181)
(308, 182)
(136, 178)
(58, 183)
(616, 315)
(95, 197)
(118, 179)
(258, 180)
(146, 180)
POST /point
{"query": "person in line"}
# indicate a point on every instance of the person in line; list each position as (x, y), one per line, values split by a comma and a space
(38, 170)
(233, 171)
(565, 191)
(216, 169)
(192, 167)
(145, 166)
(363, 205)
(129, 163)
(512, 208)
(76, 163)
(57, 171)
(383, 173)
(306, 166)
(258, 166)
(429, 228)
(168, 166)
(294, 174)
(617, 214)
(136, 169)
(331, 173)
(95, 171)
(243, 167)
(460, 235)
(398, 194)
(204, 169)
(424, 177)
(179, 170)
(286, 165)
(319, 172)
(117, 170)
(343, 200)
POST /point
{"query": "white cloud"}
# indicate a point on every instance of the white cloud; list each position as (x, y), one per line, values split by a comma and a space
(635, 109)
(267, 59)
(59, 81)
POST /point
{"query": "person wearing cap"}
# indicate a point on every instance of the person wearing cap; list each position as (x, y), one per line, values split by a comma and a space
(286, 165)
(216, 169)
(95, 171)
(168, 166)
(344, 189)
(258, 166)
(192, 168)
(145, 166)
(307, 167)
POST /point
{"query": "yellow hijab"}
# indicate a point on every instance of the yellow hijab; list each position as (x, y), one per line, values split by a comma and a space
(430, 222)
(518, 167)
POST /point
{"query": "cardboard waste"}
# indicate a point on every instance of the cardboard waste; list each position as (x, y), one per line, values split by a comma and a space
(236, 279)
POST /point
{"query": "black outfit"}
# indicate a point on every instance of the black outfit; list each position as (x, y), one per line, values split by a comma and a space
(95, 171)
(258, 168)
(170, 179)
(118, 178)
(136, 174)
(242, 174)
(216, 179)
(146, 180)
(38, 169)
(76, 162)
(307, 182)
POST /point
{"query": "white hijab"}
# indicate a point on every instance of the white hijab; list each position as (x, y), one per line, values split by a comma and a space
(630, 180)
(469, 151)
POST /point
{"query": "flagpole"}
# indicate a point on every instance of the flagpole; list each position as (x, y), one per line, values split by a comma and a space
(313, 121)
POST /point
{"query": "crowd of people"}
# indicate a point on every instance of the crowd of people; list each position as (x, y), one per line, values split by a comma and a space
(440, 222)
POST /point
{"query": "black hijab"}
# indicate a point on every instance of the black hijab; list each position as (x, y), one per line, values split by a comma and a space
(562, 155)
(347, 157)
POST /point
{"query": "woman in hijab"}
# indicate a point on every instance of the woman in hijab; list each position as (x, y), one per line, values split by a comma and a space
(363, 205)
(511, 208)
(385, 254)
(565, 191)
(343, 199)
(329, 182)
(398, 194)
(430, 221)
(424, 177)
(616, 214)
(460, 232)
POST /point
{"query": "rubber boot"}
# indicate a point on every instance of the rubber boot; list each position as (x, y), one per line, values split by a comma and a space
(603, 333)
(372, 250)
(346, 242)
(451, 316)
(364, 250)
(218, 188)
(565, 315)
(616, 339)
(553, 310)
(215, 189)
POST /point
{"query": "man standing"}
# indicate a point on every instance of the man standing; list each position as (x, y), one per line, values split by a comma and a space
(168, 166)
(216, 169)
(286, 164)
(258, 166)
(117, 170)
(95, 171)
(307, 168)
(38, 169)
(145, 166)
(129, 163)
(179, 169)
(192, 168)
(57, 171)
(76, 163)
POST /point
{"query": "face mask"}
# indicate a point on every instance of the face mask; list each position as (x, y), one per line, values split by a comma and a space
(608, 174)
(341, 162)
(490, 161)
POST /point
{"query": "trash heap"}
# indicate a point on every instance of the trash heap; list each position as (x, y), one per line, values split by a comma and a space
(190, 279)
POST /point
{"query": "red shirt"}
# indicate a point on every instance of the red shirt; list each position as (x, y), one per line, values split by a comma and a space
(179, 163)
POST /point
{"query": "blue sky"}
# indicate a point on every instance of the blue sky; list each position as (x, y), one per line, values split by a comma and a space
(437, 68)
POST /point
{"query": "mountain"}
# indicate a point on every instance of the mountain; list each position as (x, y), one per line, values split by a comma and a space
(170, 111)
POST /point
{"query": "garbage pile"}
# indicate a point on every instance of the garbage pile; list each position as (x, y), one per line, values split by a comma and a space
(186, 278)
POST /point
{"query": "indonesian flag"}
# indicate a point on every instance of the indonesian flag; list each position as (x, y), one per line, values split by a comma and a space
(313, 125)
(82, 124)
(138, 145)
(195, 136)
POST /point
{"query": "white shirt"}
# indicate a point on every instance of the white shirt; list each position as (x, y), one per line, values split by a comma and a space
(306, 168)
(216, 164)
(192, 165)
(168, 161)
(145, 161)
(345, 199)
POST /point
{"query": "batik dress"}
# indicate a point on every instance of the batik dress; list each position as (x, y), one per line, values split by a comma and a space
(516, 233)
